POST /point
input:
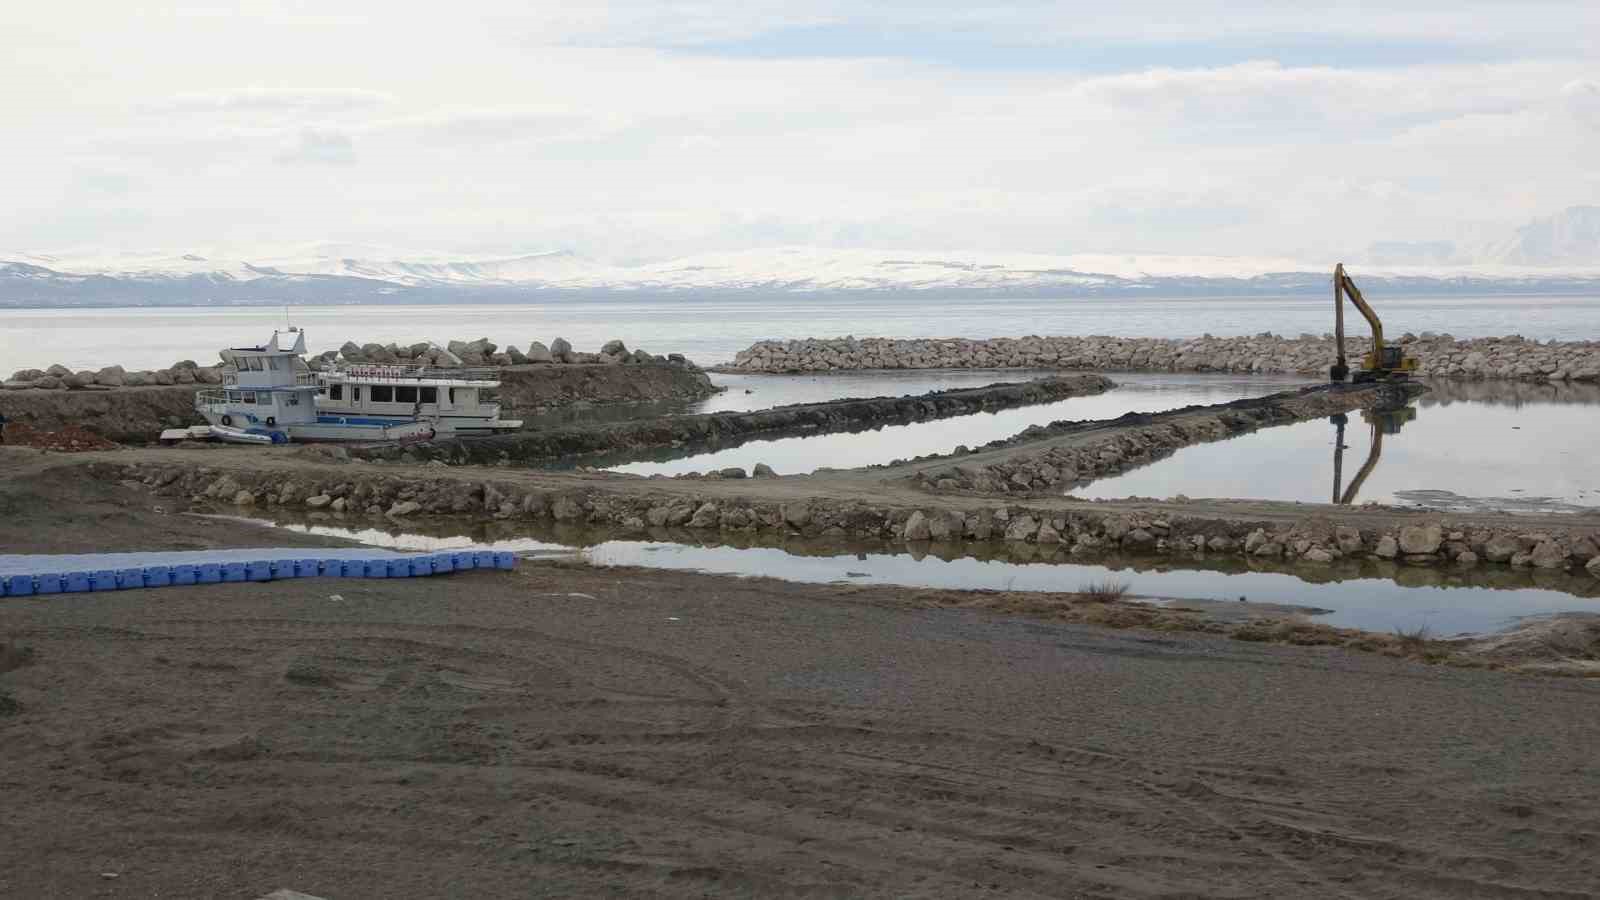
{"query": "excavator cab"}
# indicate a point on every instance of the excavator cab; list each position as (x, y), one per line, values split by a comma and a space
(1385, 362)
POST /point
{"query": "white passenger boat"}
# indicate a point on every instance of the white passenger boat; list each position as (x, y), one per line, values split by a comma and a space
(269, 392)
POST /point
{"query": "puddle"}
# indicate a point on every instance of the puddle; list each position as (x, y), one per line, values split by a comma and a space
(1373, 595)
(1519, 452)
(1141, 392)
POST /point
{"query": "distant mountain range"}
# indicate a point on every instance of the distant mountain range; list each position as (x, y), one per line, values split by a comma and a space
(1560, 254)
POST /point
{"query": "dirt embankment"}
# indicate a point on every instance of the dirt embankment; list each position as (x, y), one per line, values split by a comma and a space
(138, 414)
(1051, 457)
(126, 415)
(697, 432)
(532, 388)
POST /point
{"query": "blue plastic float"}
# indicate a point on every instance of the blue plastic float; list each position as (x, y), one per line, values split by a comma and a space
(30, 575)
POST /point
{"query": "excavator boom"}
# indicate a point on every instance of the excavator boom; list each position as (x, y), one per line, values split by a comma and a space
(1383, 361)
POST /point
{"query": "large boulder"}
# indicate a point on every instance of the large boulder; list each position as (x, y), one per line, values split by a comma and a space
(1549, 555)
(539, 353)
(419, 350)
(183, 376)
(111, 376)
(917, 527)
(58, 370)
(27, 375)
(79, 379)
(1419, 539)
(163, 377)
(613, 348)
(49, 383)
(515, 356)
(1501, 547)
(561, 349)
(352, 352)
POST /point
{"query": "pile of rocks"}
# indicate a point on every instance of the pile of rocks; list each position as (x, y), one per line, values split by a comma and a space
(60, 377)
(1441, 355)
(1029, 532)
(484, 352)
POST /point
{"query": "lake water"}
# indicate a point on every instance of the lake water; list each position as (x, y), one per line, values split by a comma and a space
(1521, 454)
(1136, 392)
(711, 331)
(1452, 603)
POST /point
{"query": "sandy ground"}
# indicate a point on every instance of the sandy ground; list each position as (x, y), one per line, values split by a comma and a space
(573, 732)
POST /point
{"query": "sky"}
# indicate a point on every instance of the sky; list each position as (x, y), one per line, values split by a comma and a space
(638, 131)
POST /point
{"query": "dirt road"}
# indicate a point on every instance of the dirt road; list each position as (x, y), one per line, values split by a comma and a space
(574, 732)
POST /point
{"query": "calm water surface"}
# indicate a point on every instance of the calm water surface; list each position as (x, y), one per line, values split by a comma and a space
(1456, 605)
(1142, 392)
(1464, 447)
(712, 331)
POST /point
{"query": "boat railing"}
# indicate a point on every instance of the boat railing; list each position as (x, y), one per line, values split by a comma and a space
(385, 373)
(230, 378)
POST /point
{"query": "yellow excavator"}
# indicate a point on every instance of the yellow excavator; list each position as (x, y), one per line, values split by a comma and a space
(1384, 362)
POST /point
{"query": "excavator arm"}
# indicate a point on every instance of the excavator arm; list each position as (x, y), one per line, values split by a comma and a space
(1384, 361)
(1342, 281)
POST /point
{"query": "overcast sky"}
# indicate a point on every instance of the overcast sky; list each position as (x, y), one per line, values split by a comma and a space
(646, 130)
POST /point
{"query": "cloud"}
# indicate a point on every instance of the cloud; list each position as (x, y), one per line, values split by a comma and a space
(324, 146)
(1583, 101)
(262, 99)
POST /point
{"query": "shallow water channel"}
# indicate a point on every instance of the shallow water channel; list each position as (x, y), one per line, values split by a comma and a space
(1376, 596)
(1136, 392)
(1461, 447)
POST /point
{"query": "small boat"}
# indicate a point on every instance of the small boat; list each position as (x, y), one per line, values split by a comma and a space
(270, 395)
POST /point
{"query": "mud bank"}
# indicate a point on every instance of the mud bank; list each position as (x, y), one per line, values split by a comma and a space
(125, 415)
(733, 428)
(137, 414)
(535, 388)
(1074, 453)
(1510, 357)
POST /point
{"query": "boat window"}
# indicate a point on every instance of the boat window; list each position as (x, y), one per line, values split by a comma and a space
(248, 397)
(335, 392)
(271, 364)
(405, 394)
(382, 393)
(252, 363)
(430, 395)
(355, 393)
(453, 397)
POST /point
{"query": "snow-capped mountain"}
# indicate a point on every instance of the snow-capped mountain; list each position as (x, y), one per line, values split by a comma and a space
(1557, 254)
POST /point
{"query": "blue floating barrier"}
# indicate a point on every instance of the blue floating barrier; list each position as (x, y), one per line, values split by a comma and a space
(377, 568)
(443, 562)
(283, 568)
(209, 573)
(103, 580)
(130, 578)
(17, 586)
(307, 568)
(78, 582)
(157, 576)
(352, 568)
(464, 561)
(421, 565)
(258, 570)
(234, 571)
(49, 583)
(505, 559)
(399, 568)
(184, 574)
(483, 559)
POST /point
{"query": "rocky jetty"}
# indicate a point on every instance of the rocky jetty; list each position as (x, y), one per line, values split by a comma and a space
(1511, 357)
(59, 377)
(690, 434)
(484, 352)
(1054, 457)
(1027, 531)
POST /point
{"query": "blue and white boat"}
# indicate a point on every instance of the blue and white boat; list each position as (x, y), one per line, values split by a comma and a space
(270, 395)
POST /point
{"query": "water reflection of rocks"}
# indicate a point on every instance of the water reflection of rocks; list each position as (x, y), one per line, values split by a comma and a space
(1445, 391)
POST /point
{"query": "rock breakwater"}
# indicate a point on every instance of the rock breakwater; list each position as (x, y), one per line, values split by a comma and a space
(1109, 447)
(1028, 531)
(732, 428)
(1511, 357)
(484, 352)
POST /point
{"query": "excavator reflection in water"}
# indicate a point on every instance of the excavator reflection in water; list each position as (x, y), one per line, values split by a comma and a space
(1383, 421)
